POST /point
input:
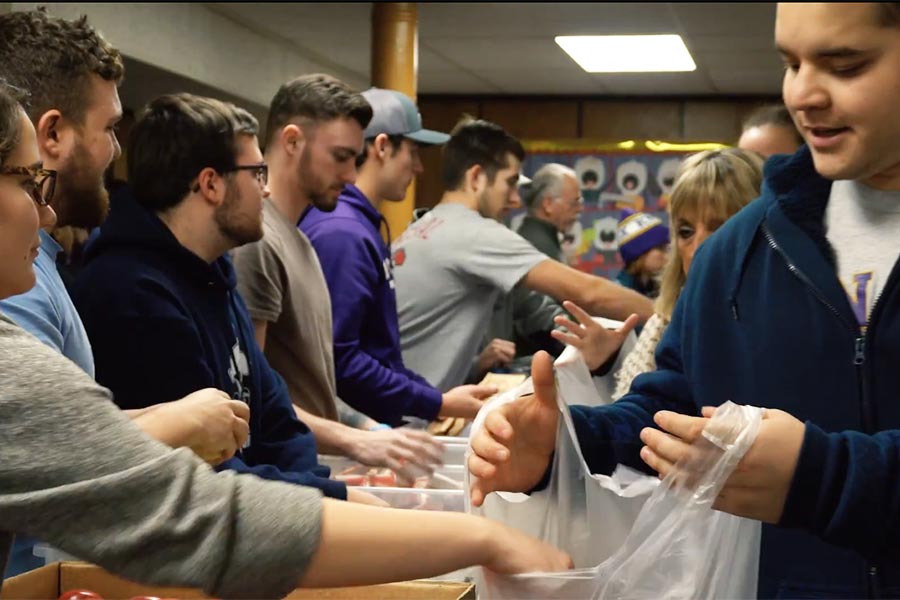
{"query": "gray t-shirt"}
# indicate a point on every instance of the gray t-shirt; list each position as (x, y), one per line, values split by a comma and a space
(449, 268)
(864, 229)
(281, 281)
(79, 474)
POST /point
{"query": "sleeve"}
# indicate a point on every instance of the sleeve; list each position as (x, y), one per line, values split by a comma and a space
(72, 456)
(846, 490)
(351, 269)
(37, 313)
(288, 452)
(610, 434)
(496, 255)
(261, 278)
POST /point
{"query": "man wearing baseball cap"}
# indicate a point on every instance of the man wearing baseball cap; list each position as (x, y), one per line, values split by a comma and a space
(369, 369)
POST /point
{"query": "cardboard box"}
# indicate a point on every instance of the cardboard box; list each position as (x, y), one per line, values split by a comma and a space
(52, 580)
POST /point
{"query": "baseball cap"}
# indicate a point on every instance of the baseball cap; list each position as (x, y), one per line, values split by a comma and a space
(393, 113)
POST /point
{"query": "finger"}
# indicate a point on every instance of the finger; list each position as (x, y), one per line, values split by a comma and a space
(543, 379)
(567, 338)
(480, 468)
(496, 427)
(476, 494)
(484, 391)
(666, 446)
(240, 409)
(424, 444)
(489, 449)
(506, 345)
(507, 356)
(656, 462)
(579, 313)
(240, 431)
(708, 411)
(683, 426)
(572, 326)
(629, 324)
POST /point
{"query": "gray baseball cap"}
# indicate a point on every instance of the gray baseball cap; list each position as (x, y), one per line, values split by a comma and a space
(393, 113)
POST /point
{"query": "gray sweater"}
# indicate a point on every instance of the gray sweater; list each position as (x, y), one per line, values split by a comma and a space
(78, 474)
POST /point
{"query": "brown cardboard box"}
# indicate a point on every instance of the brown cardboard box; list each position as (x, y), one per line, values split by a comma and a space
(54, 579)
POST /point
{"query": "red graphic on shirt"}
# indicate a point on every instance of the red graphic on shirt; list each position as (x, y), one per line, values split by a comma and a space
(399, 257)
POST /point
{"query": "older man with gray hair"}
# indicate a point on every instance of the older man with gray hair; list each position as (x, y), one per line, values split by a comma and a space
(554, 202)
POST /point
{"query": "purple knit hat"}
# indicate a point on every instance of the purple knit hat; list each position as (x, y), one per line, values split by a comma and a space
(638, 233)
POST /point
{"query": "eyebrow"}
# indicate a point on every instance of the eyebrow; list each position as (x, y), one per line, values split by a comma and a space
(836, 52)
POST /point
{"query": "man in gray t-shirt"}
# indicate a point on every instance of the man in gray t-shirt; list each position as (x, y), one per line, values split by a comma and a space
(451, 265)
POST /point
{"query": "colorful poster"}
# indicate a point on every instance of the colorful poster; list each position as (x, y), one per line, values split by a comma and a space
(629, 174)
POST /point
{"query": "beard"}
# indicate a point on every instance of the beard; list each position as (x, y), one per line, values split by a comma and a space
(81, 199)
(321, 195)
(234, 225)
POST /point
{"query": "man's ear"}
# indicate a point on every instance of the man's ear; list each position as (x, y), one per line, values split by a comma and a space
(380, 145)
(292, 139)
(211, 186)
(54, 135)
(475, 179)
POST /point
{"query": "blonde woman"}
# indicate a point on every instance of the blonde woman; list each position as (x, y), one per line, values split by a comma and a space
(711, 187)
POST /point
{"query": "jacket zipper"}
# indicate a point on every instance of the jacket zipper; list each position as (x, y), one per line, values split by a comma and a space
(859, 358)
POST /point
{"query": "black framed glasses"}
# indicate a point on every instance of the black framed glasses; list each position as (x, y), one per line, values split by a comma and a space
(260, 171)
(40, 183)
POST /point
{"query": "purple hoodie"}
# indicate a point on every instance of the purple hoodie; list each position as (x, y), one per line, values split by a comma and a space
(357, 267)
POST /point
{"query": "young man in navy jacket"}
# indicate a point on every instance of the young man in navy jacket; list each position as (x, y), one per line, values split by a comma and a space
(357, 265)
(794, 304)
(157, 292)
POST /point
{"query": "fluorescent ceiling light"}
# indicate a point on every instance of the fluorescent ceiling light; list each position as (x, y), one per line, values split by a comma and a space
(628, 53)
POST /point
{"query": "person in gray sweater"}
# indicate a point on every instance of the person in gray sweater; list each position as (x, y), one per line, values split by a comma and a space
(78, 473)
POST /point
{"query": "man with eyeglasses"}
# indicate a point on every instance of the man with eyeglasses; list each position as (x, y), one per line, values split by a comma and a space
(315, 133)
(554, 203)
(157, 290)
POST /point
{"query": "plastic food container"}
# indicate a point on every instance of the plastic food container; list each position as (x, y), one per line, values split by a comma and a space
(418, 499)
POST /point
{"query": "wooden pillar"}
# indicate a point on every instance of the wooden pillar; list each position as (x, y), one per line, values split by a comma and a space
(395, 66)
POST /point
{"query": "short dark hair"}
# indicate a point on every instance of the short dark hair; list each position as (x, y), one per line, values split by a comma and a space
(395, 141)
(53, 59)
(245, 123)
(176, 137)
(316, 98)
(10, 123)
(477, 142)
(888, 13)
(772, 114)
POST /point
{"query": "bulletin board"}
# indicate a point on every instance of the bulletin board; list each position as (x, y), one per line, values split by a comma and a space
(636, 174)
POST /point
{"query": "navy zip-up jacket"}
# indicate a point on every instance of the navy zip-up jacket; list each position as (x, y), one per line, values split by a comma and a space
(764, 320)
(164, 323)
(357, 265)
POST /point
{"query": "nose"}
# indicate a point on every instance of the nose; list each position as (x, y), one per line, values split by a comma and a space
(117, 148)
(515, 200)
(349, 174)
(417, 166)
(46, 216)
(803, 90)
(266, 191)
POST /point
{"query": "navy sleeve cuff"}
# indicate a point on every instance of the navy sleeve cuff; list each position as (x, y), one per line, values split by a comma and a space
(801, 504)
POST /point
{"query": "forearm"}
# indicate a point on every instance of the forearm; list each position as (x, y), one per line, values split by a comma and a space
(411, 545)
(353, 418)
(606, 299)
(155, 423)
(331, 437)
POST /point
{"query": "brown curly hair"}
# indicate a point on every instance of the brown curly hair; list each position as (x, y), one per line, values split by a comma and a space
(52, 58)
(10, 125)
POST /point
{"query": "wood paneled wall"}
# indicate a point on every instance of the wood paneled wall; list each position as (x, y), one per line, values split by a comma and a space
(688, 120)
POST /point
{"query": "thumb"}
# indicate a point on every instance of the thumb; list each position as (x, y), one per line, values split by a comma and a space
(543, 379)
(629, 324)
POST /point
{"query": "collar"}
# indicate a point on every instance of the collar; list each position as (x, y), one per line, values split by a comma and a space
(49, 246)
(353, 196)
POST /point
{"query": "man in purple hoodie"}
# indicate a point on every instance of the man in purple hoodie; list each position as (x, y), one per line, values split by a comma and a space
(357, 265)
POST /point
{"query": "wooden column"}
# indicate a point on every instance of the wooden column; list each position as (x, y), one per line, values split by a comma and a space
(395, 66)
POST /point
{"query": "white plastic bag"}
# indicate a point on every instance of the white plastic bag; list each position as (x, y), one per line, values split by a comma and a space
(629, 535)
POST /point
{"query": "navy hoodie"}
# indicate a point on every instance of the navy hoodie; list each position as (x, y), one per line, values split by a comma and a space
(764, 320)
(357, 265)
(164, 323)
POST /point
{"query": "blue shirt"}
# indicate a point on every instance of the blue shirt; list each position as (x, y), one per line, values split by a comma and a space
(47, 311)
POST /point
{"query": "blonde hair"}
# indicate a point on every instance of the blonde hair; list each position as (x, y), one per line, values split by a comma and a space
(714, 184)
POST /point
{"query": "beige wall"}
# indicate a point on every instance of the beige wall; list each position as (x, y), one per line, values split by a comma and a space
(688, 120)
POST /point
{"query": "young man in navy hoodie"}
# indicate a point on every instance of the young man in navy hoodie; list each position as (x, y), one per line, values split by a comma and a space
(357, 265)
(157, 291)
(794, 304)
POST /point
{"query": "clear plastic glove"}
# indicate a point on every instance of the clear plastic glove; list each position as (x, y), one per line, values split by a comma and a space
(397, 449)
(512, 451)
(465, 400)
(596, 342)
(209, 422)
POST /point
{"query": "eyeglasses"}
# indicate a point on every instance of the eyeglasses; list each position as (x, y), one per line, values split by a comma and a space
(260, 171)
(40, 185)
